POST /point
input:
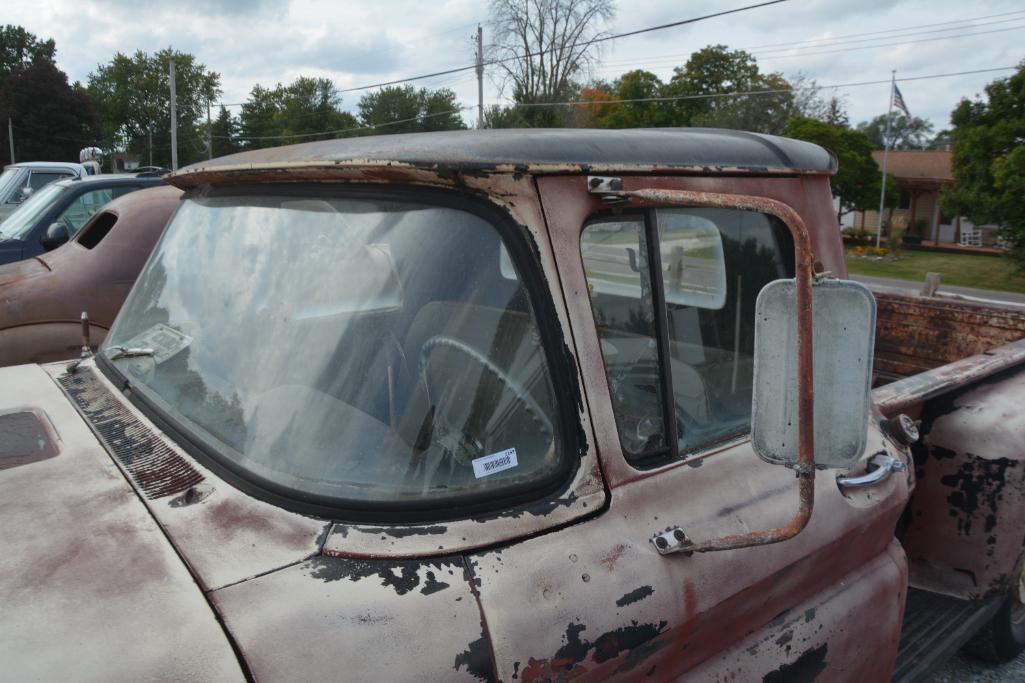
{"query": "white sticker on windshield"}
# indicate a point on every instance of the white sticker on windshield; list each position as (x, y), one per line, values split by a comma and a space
(163, 339)
(496, 462)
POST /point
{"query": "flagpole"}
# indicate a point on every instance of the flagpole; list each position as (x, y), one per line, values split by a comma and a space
(886, 155)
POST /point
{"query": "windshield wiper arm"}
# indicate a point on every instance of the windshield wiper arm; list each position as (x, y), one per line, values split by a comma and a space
(115, 352)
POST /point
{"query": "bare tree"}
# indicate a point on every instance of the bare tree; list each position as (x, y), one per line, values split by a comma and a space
(544, 44)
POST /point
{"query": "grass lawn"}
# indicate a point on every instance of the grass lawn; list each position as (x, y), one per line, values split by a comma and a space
(966, 270)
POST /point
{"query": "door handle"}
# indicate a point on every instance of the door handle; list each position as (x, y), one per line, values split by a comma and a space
(885, 465)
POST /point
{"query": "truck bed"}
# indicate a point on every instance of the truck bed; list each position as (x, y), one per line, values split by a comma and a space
(915, 334)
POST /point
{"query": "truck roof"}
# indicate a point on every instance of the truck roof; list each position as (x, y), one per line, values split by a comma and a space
(537, 151)
(70, 165)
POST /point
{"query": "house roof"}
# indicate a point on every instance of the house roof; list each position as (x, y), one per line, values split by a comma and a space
(930, 164)
(681, 150)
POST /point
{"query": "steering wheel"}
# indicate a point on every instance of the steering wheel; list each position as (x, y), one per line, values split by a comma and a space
(633, 394)
(521, 395)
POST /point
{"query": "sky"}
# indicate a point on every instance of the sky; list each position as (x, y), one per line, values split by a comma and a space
(357, 43)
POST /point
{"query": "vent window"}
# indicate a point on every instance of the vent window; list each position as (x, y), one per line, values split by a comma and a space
(97, 230)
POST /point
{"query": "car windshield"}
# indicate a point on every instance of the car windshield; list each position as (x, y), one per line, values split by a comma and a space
(346, 351)
(9, 183)
(21, 222)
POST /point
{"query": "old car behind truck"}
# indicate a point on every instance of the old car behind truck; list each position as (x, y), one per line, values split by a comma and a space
(507, 405)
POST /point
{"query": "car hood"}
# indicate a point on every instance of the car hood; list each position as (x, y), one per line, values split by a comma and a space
(119, 501)
(21, 270)
(89, 584)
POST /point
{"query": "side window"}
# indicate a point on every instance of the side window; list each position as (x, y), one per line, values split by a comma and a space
(683, 330)
(83, 208)
(40, 179)
(122, 190)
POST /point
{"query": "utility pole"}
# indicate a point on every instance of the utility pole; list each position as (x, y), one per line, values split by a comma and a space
(174, 121)
(209, 133)
(480, 77)
(149, 136)
(886, 156)
(10, 137)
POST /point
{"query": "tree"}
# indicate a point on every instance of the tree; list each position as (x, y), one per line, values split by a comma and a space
(989, 160)
(717, 70)
(543, 47)
(20, 49)
(305, 110)
(905, 132)
(856, 183)
(224, 134)
(810, 103)
(52, 120)
(408, 110)
(497, 116)
(132, 97)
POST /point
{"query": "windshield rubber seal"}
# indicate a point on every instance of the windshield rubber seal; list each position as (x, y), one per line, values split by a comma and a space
(523, 252)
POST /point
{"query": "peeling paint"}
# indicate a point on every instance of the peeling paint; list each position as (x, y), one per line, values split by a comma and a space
(635, 595)
(403, 576)
(804, 669)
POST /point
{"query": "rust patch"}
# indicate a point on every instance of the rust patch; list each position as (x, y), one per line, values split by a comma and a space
(568, 662)
(611, 557)
(151, 464)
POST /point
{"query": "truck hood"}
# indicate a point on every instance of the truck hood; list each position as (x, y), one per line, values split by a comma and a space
(120, 499)
(90, 586)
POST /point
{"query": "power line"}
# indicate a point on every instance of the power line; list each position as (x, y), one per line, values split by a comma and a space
(902, 42)
(959, 24)
(813, 50)
(836, 40)
(600, 39)
(745, 93)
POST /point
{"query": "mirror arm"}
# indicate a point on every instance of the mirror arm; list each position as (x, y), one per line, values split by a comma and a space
(674, 539)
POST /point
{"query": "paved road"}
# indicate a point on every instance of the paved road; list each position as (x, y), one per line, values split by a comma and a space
(912, 287)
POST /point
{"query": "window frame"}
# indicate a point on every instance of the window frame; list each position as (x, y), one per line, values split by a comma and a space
(523, 251)
(671, 453)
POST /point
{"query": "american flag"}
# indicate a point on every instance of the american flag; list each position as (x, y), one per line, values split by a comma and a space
(898, 101)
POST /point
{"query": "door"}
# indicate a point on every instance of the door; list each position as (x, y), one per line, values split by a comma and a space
(665, 352)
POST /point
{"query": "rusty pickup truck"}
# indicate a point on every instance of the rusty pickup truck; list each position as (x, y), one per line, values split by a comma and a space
(515, 406)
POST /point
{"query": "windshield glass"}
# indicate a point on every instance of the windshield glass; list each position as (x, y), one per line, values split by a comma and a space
(9, 182)
(21, 222)
(345, 351)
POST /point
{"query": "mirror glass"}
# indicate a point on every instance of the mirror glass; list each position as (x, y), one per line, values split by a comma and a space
(56, 235)
(844, 315)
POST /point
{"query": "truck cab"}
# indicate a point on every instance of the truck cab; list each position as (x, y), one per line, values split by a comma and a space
(19, 181)
(588, 405)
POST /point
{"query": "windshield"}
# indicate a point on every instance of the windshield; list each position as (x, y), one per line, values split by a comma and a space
(9, 183)
(352, 352)
(21, 222)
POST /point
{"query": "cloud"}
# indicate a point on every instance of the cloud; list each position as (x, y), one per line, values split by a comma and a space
(354, 42)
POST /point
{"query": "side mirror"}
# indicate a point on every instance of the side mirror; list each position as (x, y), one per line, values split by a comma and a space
(56, 235)
(26, 192)
(843, 340)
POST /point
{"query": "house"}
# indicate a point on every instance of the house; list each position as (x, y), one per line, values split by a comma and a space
(919, 176)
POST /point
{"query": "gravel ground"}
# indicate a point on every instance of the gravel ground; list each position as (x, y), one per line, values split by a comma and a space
(964, 669)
